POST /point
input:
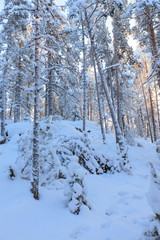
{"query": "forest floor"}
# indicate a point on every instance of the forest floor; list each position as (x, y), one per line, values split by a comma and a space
(120, 210)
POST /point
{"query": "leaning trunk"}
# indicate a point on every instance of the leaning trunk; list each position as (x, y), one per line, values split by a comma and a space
(119, 136)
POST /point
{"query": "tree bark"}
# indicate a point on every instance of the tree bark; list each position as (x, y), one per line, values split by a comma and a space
(3, 107)
(153, 43)
(119, 136)
(50, 93)
(157, 105)
(145, 101)
(99, 103)
(35, 162)
(118, 85)
(84, 75)
(18, 91)
(152, 114)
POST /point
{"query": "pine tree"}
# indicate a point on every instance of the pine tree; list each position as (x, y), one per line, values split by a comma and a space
(146, 13)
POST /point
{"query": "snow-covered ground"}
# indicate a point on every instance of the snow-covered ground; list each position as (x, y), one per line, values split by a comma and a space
(119, 206)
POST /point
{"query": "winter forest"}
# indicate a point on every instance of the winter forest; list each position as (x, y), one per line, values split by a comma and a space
(80, 120)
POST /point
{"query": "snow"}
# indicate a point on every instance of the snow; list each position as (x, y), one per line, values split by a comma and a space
(119, 206)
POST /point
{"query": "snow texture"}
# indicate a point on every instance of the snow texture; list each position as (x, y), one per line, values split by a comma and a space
(119, 211)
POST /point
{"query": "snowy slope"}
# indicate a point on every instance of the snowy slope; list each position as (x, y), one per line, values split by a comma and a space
(120, 210)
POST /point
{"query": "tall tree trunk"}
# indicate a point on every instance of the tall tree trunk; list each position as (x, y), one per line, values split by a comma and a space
(157, 105)
(35, 162)
(152, 109)
(119, 135)
(84, 75)
(104, 115)
(46, 100)
(10, 111)
(155, 56)
(152, 114)
(108, 61)
(91, 105)
(28, 110)
(149, 124)
(99, 103)
(118, 85)
(3, 104)
(50, 98)
(18, 91)
(50, 93)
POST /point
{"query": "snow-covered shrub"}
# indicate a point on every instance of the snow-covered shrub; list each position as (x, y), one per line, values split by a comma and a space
(75, 189)
(87, 157)
(49, 162)
(152, 230)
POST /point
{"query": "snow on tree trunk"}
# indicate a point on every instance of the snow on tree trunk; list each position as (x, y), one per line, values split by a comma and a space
(108, 61)
(118, 85)
(119, 136)
(157, 105)
(156, 60)
(99, 103)
(50, 97)
(152, 113)
(152, 109)
(35, 160)
(84, 76)
(145, 101)
(3, 105)
(18, 91)
(46, 100)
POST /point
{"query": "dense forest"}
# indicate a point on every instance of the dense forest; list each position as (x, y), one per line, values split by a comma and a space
(86, 61)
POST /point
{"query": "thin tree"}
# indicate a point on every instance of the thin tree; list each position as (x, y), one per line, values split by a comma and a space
(98, 98)
(84, 74)
(119, 135)
(35, 160)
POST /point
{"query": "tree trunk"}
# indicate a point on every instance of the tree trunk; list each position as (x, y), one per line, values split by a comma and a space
(108, 61)
(152, 114)
(50, 93)
(99, 103)
(18, 91)
(3, 105)
(119, 136)
(157, 105)
(46, 100)
(35, 162)
(84, 76)
(91, 105)
(118, 85)
(153, 43)
(149, 124)
(28, 110)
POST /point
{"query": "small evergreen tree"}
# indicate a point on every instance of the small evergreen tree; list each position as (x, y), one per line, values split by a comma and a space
(76, 190)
